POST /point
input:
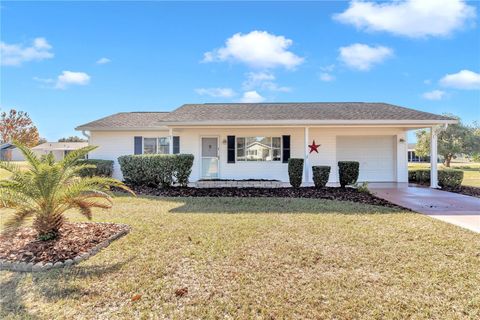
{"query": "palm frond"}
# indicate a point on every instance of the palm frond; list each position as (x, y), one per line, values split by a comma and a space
(28, 154)
(10, 167)
(17, 220)
(72, 157)
(49, 188)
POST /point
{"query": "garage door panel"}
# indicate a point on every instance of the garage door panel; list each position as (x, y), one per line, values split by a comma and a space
(374, 153)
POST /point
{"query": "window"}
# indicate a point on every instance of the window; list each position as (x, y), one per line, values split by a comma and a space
(163, 145)
(259, 148)
(156, 145)
(149, 145)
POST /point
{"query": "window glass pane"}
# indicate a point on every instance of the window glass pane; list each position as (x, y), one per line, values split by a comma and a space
(149, 145)
(276, 142)
(276, 155)
(240, 142)
(258, 149)
(164, 145)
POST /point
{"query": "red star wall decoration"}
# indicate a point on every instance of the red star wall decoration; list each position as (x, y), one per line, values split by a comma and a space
(314, 147)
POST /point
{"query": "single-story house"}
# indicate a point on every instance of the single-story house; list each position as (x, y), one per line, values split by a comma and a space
(255, 140)
(8, 152)
(58, 149)
(413, 157)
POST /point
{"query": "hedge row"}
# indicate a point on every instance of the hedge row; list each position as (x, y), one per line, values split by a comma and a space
(101, 168)
(347, 170)
(156, 169)
(450, 178)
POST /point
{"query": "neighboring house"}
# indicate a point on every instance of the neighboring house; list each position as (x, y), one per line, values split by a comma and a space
(242, 141)
(58, 149)
(8, 152)
(413, 157)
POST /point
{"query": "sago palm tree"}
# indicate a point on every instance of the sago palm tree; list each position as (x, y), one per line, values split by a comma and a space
(48, 188)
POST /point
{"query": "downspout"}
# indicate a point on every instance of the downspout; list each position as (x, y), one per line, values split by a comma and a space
(86, 135)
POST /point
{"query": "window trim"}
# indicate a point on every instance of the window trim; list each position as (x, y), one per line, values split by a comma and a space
(271, 147)
(157, 143)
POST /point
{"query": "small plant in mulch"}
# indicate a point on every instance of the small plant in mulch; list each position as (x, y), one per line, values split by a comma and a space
(49, 188)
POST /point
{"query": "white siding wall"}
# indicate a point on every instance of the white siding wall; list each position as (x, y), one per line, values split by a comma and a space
(113, 144)
(17, 155)
(190, 143)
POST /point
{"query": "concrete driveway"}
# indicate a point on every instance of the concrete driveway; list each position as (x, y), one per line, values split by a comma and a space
(454, 208)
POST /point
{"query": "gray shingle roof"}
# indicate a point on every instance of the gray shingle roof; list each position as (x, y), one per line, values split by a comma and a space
(270, 113)
(214, 112)
(126, 120)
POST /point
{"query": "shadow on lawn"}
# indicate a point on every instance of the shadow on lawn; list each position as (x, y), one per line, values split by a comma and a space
(273, 205)
(51, 285)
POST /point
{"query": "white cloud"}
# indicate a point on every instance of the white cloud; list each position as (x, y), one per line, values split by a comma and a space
(363, 57)
(327, 77)
(434, 95)
(216, 92)
(252, 97)
(68, 78)
(257, 49)
(263, 80)
(103, 61)
(411, 18)
(464, 79)
(16, 54)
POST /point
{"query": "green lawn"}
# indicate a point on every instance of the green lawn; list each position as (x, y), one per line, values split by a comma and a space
(471, 171)
(5, 174)
(260, 258)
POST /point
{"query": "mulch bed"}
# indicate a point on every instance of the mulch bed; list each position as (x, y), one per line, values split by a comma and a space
(75, 239)
(329, 193)
(466, 190)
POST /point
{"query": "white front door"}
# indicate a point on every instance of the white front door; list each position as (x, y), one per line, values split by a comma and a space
(209, 157)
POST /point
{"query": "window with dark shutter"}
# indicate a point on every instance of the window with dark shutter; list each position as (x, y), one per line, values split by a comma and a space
(176, 144)
(231, 149)
(285, 148)
(137, 145)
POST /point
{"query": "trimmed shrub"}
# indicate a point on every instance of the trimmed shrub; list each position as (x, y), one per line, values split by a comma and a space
(183, 168)
(103, 168)
(348, 172)
(450, 178)
(155, 169)
(320, 175)
(295, 171)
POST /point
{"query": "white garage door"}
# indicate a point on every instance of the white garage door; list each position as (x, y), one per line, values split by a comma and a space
(375, 154)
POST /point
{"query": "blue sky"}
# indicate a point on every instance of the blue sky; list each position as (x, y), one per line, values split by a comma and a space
(67, 63)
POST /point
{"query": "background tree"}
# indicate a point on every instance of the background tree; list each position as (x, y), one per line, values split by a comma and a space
(455, 140)
(72, 139)
(17, 126)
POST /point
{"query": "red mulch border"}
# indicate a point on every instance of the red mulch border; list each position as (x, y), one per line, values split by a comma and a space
(22, 251)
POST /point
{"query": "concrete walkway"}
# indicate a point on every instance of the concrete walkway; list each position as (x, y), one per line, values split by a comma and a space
(454, 208)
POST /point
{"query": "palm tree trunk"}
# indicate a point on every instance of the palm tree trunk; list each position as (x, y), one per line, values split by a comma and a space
(48, 226)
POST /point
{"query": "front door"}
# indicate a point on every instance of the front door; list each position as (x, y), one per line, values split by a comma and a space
(209, 157)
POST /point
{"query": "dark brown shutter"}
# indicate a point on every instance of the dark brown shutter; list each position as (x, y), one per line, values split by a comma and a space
(231, 149)
(285, 148)
(176, 144)
(137, 149)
